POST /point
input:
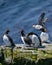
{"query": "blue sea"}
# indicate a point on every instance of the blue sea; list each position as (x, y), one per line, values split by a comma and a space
(22, 14)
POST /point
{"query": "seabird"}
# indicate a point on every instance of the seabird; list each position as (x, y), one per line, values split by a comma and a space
(41, 22)
(44, 36)
(30, 39)
(25, 39)
(8, 40)
(35, 39)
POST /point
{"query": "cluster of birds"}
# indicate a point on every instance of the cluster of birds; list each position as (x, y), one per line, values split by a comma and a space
(31, 39)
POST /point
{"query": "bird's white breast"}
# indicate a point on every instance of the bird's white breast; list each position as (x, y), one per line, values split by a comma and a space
(22, 38)
(6, 40)
(44, 36)
(35, 40)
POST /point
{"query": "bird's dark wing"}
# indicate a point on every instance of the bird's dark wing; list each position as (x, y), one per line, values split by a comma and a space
(28, 40)
(30, 33)
(41, 18)
(11, 41)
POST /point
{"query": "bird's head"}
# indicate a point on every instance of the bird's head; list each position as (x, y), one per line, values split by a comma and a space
(43, 30)
(22, 32)
(7, 31)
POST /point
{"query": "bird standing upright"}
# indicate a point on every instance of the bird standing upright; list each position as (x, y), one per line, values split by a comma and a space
(44, 36)
(25, 39)
(9, 42)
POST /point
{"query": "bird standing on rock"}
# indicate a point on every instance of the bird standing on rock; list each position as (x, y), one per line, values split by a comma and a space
(25, 39)
(44, 36)
(8, 40)
(30, 39)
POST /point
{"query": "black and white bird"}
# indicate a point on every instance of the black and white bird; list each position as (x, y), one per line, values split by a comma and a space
(44, 36)
(42, 27)
(41, 22)
(30, 39)
(8, 40)
(25, 39)
(35, 39)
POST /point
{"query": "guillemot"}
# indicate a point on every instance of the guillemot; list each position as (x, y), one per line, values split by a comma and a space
(35, 39)
(41, 22)
(25, 39)
(30, 39)
(8, 40)
(44, 36)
